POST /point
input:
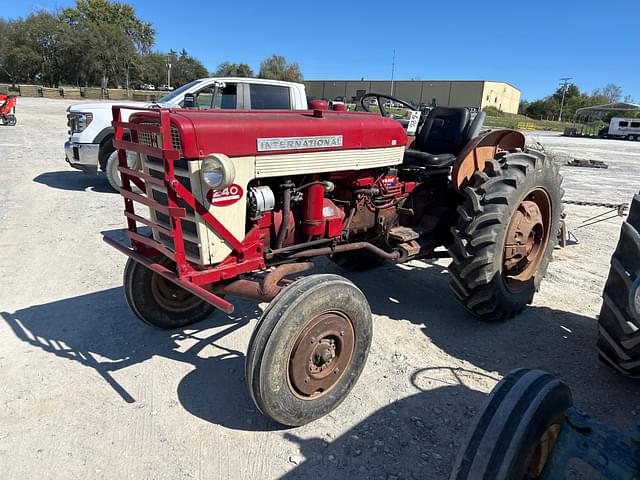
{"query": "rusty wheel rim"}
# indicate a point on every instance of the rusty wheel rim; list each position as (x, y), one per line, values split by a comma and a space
(169, 295)
(321, 355)
(543, 451)
(527, 238)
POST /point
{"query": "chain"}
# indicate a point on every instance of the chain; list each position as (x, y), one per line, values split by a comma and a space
(621, 207)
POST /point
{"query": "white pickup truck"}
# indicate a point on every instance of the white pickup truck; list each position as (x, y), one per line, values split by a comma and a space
(90, 145)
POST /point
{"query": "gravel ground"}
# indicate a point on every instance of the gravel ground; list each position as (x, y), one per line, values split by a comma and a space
(87, 391)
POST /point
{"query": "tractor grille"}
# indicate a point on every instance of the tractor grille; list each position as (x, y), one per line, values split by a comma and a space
(153, 140)
(192, 224)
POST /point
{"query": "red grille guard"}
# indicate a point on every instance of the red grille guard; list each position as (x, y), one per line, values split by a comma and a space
(246, 256)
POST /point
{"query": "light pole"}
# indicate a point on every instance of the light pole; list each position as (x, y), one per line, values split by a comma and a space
(168, 73)
(564, 84)
(393, 69)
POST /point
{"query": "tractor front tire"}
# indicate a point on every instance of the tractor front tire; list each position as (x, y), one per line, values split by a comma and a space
(507, 229)
(309, 349)
(514, 434)
(159, 302)
(619, 319)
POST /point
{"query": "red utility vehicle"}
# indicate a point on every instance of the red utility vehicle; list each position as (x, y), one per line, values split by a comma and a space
(238, 201)
(7, 110)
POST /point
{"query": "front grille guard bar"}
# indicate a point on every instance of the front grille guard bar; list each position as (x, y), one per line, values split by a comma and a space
(144, 249)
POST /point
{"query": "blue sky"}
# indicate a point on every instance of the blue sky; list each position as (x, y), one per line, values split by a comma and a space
(529, 44)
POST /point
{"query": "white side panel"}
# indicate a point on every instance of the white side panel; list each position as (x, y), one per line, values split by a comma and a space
(233, 217)
(333, 161)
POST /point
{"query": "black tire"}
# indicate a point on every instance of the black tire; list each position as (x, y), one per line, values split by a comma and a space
(526, 407)
(111, 169)
(619, 319)
(141, 290)
(477, 273)
(11, 120)
(358, 260)
(281, 328)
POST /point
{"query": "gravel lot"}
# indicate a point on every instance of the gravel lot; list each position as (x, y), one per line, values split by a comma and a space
(87, 391)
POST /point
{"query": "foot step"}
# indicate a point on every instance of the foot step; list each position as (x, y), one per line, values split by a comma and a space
(403, 234)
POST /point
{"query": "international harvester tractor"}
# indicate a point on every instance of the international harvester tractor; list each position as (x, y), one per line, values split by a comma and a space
(239, 201)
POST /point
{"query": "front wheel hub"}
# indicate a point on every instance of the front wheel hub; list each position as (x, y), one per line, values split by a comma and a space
(320, 355)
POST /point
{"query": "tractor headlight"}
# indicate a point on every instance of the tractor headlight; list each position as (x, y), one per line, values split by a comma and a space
(218, 171)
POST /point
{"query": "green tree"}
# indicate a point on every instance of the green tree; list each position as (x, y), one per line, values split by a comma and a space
(185, 68)
(611, 93)
(228, 69)
(276, 68)
(114, 36)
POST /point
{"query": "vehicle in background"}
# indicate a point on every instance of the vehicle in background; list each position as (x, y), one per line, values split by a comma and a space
(165, 88)
(620, 127)
(90, 144)
(147, 86)
(8, 110)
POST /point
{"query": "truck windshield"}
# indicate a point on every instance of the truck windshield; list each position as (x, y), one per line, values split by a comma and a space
(178, 91)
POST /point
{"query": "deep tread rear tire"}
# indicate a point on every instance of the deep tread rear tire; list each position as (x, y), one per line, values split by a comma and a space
(507, 431)
(619, 322)
(492, 197)
(139, 295)
(273, 339)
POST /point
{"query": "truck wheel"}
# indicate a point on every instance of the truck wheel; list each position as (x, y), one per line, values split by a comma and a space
(506, 233)
(111, 169)
(159, 302)
(514, 434)
(631, 137)
(11, 120)
(358, 260)
(619, 319)
(309, 349)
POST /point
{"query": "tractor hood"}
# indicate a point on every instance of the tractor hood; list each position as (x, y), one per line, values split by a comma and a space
(256, 133)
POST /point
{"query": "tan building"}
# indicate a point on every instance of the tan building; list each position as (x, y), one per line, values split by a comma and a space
(445, 93)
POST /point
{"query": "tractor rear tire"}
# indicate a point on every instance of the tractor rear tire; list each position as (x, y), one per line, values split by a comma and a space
(514, 434)
(507, 229)
(619, 319)
(309, 349)
(159, 302)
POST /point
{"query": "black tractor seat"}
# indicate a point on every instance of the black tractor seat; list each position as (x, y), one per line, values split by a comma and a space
(443, 135)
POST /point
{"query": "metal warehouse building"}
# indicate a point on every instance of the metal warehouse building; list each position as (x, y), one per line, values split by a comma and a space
(446, 93)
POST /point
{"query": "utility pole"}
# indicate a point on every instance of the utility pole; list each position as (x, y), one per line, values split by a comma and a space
(565, 85)
(393, 69)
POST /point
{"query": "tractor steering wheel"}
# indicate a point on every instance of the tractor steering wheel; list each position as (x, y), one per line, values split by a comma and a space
(384, 112)
(379, 97)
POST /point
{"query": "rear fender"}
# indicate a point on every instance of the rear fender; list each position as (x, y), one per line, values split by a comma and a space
(479, 150)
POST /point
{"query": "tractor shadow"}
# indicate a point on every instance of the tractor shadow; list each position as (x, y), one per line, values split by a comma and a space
(562, 343)
(75, 181)
(99, 331)
(416, 437)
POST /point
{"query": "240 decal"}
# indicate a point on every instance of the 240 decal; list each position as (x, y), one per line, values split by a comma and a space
(226, 197)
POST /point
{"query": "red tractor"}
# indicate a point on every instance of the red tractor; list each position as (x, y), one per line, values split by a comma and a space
(239, 201)
(8, 110)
